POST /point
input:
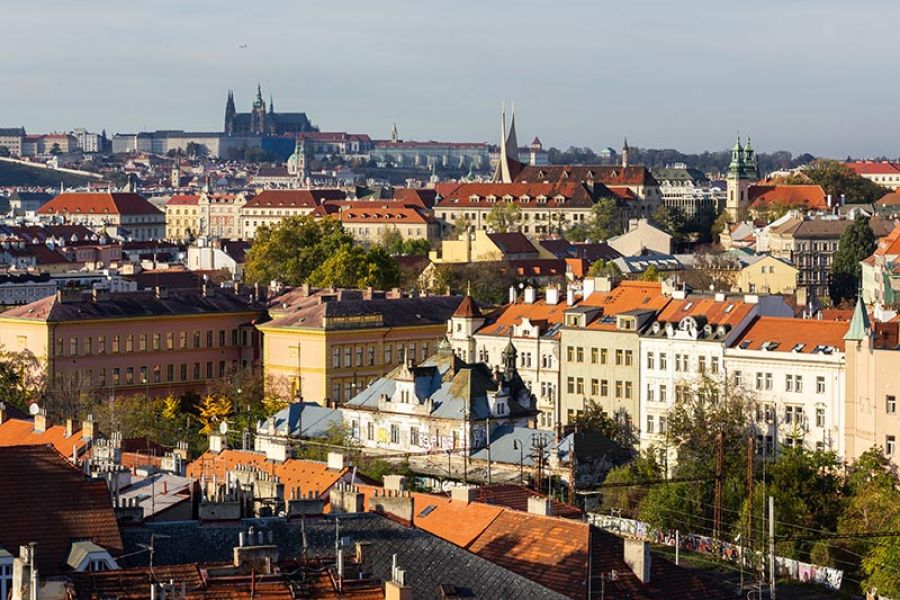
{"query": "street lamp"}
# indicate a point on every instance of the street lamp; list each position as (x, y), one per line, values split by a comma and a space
(518, 445)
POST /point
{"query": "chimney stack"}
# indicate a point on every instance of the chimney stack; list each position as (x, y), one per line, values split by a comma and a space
(637, 557)
(87, 428)
(570, 296)
(3, 417)
(552, 295)
(396, 588)
(70, 427)
(512, 294)
(463, 493)
(40, 421)
(530, 295)
(538, 505)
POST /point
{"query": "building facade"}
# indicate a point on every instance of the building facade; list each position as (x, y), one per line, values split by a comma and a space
(270, 207)
(147, 342)
(123, 215)
(327, 345)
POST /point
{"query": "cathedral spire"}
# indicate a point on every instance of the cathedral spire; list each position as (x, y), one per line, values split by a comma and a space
(512, 144)
(271, 104)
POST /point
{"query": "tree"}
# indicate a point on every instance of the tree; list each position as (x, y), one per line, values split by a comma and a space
(5, 151)
(55, 149)
(670, 219)
(211, 411)
(616, 428)
(628, 498)
(20, 380)
(416, 247)
(291, 250)
(651, 274)
(604, 268)
(856, 244)
(504, 217)
(355, 266)
(605, 220)
(837, 179)
(391, 240)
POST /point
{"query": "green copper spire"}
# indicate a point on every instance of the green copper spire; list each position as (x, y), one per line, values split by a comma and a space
(859, 324)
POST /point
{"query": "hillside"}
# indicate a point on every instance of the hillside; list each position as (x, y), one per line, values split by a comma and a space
(12, 174)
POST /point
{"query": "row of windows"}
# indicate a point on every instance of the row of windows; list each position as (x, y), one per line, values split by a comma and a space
(792, 382)
(100, 344)
(145, 375)
(346, 356)
(599, 387)
(599, 356)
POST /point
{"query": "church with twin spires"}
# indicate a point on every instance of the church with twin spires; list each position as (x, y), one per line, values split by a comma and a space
(262, 120)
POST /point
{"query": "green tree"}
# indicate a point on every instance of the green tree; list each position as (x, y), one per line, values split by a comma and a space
(504, 217)
(856, 243)
(416, 247)
(604, 268)
(837, 179)
(5, 151)
(628, 498)
(605, 220)
(291, 250)
(651, 274)
(670, 219)
(391, 240)
(20, 381)
(357, 267)
(614, 427)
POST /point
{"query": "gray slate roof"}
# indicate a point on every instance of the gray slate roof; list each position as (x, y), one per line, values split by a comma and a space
(427, 560)
(314, 419)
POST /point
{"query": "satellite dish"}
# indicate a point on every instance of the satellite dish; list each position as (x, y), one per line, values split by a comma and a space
(34, 409)
(223, 427)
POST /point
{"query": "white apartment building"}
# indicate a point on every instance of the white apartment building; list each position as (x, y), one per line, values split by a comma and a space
(795, 370)
(688, 339)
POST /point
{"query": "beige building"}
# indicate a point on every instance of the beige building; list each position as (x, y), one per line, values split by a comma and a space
(872, 387)
(641, 235)
(767, 275)
(368, 224)
(270, 207)
(123, 215)
(481, 246)
(600, 348)
(183, 217)
(328, 345)
(204, 215)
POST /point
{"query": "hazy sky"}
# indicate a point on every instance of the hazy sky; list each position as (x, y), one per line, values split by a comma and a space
(802, 75)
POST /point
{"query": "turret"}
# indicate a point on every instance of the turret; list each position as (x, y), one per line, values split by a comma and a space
(463, 324)
(229, 113)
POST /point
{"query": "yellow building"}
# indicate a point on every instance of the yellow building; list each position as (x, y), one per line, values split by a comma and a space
(327, 345)
(767, 275)
(481, 246)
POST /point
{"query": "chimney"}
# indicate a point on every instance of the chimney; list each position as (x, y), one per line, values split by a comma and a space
(2, 412)
(394, 483)
(552, 295)
(570, 295)
(530, 294)
(720, 297)
(336, 461)
(396, 588)
(512, 294)
(637, 557)
(828, 201)
(463, 493)
(538, 505)
(162, 292)
(40, 421)
(70, 427)
(363, 553)
(216, 443)
(87, 428)
(588, 286)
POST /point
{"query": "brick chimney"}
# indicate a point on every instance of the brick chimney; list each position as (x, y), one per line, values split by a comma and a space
(463, 493)
(396, 588)
(70, 427)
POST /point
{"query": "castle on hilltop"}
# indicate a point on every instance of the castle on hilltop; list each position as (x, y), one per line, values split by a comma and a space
(263, 121)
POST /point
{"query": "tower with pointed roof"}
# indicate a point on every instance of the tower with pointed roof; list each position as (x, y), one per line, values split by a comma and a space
(508, 164)
(258, 119)
(230, 113)
(742, 174)
(395, 135)
(625, 153)
(461, 328)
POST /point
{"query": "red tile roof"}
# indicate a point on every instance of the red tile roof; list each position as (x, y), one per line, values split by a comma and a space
(553, 195)
(98, 203)
(47, 500)
(516, 497)
(20, 432)
(378, 214)
(808, 196)
(419, 197)
(607, 175)
(293, 198)
(868, 167)
(792, 335)
(889, 199)
(890, 244)
(730, 311)
(628, 295)
(306, 474)
(184, 200)
(467, 308)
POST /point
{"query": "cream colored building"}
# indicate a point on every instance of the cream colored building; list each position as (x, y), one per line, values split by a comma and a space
(481, 246)
(270, 207)
(600, 348)
(873, 387)
(767, 275)
(641, 235)
(368, 224)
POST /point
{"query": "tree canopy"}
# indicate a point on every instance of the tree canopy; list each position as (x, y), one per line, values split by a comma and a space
(302, 250)
(504, 217)
(856, 243)
(837, 179)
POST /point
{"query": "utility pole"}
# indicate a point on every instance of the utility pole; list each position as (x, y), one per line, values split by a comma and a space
(572, 468)
(720, 473)
(772, 547)
(488, 431)
(748, 540)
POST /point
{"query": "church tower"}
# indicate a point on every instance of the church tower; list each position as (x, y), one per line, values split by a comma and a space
(508, 164)
(258, 114)
(742, 174)
(395, 135)
(625, 153)
(229, 113)
(298, 162)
